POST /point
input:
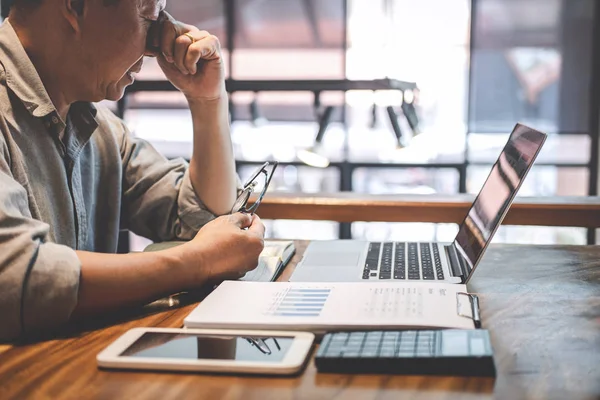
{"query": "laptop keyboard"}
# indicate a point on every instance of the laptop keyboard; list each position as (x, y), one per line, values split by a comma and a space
(400, 260)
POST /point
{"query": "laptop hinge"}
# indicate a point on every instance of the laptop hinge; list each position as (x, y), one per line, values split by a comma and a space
(455, 265)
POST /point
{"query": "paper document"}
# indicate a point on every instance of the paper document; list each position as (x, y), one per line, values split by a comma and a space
(273, 258)
(329, 306)
(265, 271)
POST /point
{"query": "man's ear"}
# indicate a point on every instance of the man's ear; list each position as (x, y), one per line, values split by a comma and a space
(73, 10)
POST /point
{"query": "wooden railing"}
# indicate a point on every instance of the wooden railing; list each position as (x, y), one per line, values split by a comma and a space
(350, 207)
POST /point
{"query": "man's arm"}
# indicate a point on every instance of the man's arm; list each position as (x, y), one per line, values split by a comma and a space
(111, 280)
(43, 284)
(191, 59)
(212, 167)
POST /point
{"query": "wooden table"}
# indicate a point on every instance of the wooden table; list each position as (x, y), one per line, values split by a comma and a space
(540, 303)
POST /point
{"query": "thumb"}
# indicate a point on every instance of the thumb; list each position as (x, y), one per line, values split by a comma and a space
(241, 220)
(257, 226)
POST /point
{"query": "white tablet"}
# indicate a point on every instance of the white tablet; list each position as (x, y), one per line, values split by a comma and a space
(209, 350)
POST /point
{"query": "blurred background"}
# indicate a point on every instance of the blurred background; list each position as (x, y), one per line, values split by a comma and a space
(442, 83)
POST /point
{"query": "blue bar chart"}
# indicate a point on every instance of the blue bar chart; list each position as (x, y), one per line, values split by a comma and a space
(299, 302)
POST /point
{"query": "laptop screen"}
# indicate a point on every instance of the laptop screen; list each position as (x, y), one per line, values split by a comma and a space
(496, 195)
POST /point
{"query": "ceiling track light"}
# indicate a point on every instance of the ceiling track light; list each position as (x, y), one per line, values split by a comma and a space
(231, 111)
(410, 112)
(257, 119)
(395, 126)
(314, 156)
(374, 120)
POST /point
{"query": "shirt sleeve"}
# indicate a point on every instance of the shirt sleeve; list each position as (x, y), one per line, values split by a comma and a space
(159, 200)
(39, 280)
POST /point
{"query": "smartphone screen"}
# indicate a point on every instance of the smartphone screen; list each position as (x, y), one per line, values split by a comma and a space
(213, 347)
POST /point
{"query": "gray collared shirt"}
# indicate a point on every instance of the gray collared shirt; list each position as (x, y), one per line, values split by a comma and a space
(58, 196)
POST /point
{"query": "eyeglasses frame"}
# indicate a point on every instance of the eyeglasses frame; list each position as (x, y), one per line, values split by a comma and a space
(248, 188)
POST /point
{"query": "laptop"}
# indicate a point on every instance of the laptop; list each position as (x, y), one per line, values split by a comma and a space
(364, 261)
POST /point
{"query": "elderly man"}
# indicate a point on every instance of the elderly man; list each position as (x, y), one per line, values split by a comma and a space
(71, 174)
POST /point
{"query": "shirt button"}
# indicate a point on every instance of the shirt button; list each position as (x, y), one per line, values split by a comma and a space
(54, 120)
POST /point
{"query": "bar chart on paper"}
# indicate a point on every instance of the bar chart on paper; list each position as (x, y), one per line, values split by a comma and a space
(298, 302)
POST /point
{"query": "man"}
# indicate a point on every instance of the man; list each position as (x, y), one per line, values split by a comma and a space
(70, 173)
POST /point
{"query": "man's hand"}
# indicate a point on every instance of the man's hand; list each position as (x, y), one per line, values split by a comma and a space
(224, 248)
(194, 66)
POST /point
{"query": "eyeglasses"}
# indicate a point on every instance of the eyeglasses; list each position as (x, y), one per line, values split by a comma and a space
(262, 346)
(258, 182)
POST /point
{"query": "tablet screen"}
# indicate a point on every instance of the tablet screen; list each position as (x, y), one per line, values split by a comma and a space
(214, 347)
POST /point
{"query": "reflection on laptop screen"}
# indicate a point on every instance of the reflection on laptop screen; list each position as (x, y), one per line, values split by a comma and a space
(497, 193)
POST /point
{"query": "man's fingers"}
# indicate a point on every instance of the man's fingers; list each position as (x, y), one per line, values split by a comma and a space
(166, 65)
(168, 35)
(179, 51)
(190, 46)
(153, 38)
(241, 220)
(184, 45)
(206, 48)
(257, 227)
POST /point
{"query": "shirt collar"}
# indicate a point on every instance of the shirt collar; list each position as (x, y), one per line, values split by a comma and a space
(22, 79)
